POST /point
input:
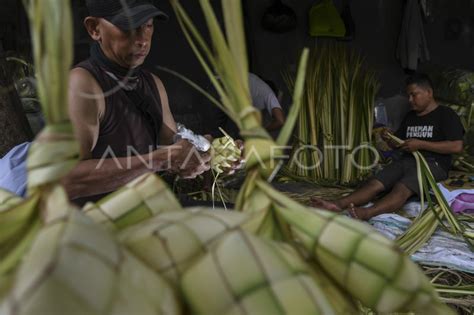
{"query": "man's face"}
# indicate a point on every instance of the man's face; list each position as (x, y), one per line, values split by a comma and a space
(419, 97)
(128, 49)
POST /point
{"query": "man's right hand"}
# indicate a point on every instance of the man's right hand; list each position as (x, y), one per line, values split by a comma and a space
(187, 161)
(385, 134)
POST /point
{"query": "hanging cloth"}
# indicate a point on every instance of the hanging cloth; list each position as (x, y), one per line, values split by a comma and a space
(324, 20)
(412, 46)
(425, 6)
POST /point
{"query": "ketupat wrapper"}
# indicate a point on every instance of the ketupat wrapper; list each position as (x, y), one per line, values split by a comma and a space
(19, 223)
(8, 200)
(17, 217)
(284, 219)
(244, 274)
(225, 153)
(230, 65)
(72, 242)
(362, 261)
(142, 198)
(75, 266)
(55, 260)
(170, 242)
(54, 152)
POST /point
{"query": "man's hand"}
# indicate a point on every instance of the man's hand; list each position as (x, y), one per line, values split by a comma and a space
(411, 145)
(385, 134)
(278, 120)
(187, 161)
(237, 165)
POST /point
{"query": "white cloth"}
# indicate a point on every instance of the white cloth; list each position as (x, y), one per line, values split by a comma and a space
(13, 173)
(263, 97)
(413, 208)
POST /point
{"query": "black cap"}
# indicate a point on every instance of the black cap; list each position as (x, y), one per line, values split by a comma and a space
(125, 14)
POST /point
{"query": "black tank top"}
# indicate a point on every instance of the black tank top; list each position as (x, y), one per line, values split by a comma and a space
(132, 118)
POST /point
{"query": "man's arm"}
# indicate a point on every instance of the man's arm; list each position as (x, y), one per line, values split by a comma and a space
(278, 119)
(385, 134)
(97, 176)
(93, 176)
(442, 147)
(168, 129)
(86, 107)
(263, 98)
(452, 130)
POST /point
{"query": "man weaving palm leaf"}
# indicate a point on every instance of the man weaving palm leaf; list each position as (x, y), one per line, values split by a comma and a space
(436, 131)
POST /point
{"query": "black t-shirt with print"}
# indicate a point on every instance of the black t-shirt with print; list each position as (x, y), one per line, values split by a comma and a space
(442, 124)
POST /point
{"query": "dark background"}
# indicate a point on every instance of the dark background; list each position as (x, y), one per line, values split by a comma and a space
(449, 31)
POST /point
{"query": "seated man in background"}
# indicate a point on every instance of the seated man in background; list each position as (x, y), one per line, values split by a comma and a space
(433, 130)
(264, 98)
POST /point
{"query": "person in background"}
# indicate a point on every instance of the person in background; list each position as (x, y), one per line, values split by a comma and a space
(433, 130)
(264, 98)
(120, 111)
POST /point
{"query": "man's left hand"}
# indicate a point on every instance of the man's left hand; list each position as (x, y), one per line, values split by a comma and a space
(412, 145)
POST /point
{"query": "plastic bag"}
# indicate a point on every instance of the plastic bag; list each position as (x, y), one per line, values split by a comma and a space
(201, 143)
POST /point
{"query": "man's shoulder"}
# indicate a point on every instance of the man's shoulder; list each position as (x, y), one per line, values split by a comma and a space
(445, 113)
(84, 67)
(85, 91)
(159, 84)
(81, 77)
(254, 77)
(443, 109)
(410, 113)
(80, 73)
(152, 75)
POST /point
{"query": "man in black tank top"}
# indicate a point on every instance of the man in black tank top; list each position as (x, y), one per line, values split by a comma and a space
(120, 112)
(433, 130)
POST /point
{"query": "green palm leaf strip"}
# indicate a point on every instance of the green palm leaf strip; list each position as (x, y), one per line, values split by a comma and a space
(441, 212)
(336, 117)
(54, 153)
